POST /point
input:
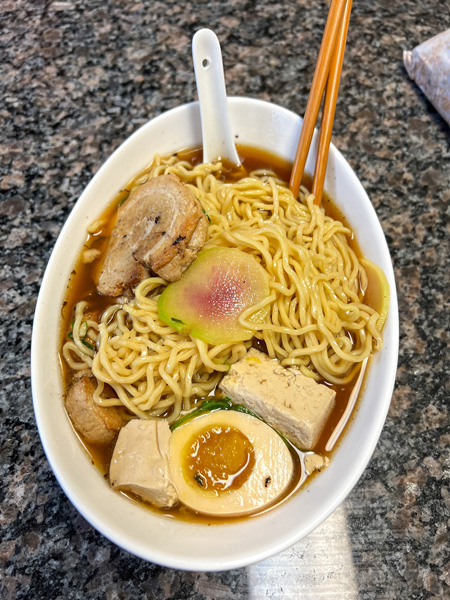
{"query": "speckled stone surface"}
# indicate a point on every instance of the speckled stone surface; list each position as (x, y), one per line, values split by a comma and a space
(77, 78)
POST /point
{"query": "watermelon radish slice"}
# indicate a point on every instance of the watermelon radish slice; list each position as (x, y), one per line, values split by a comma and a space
(211, 295)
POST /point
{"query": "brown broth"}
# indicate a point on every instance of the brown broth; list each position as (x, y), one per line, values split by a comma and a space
(81, 286)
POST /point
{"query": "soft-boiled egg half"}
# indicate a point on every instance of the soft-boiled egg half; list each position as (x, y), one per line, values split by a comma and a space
(229, 463)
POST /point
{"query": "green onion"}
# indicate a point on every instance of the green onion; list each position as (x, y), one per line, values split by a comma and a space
(87, 344)
(206, 215)
(82, 339)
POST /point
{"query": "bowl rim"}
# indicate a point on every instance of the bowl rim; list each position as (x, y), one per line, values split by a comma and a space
(42, 385)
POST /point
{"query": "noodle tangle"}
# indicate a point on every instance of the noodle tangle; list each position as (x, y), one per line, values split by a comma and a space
(317, 320)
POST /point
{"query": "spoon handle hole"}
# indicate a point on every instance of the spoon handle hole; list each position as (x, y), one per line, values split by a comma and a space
(216, 133)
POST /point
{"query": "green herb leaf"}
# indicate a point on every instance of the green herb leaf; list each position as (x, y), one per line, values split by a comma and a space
(124, 199)
(214, 404)
(87, 344)
(247, 411)
(206, 215)
(206, 406)
(70, 334)
(199, 480)
(82, 339)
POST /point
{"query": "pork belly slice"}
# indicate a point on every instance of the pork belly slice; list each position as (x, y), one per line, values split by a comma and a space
(160, 228)
(140, 462)
(292, 403)
(187, 253)
(95, 423)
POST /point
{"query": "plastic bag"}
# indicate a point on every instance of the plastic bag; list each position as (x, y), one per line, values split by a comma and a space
(429, 66)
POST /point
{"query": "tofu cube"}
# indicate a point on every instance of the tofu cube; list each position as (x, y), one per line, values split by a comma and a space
(292, 403)
(140, 462)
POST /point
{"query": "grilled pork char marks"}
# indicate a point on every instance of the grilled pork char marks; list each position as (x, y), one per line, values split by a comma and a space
(159, 229)
(187, 253)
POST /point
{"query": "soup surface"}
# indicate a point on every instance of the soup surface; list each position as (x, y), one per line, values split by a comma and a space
(82, 287)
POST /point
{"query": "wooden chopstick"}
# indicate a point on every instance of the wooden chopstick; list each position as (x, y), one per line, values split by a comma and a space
(321, 74)
(329, 107)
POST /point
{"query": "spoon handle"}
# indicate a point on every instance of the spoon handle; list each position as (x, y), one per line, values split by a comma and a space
(217, 138)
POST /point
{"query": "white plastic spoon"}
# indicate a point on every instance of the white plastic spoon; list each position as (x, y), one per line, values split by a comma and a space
(217, 137)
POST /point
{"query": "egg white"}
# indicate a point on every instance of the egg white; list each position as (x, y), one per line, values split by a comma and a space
(269, 479)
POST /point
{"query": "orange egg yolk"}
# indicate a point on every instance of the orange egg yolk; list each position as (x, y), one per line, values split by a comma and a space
(219, 459)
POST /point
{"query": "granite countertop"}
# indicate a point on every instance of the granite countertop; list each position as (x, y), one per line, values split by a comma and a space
(77, 78)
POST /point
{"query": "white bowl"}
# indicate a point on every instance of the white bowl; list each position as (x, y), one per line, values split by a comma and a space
(171, 542)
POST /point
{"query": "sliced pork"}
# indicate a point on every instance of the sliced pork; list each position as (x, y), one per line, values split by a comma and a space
(186, 254)
(159, 229)
(95, 423)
